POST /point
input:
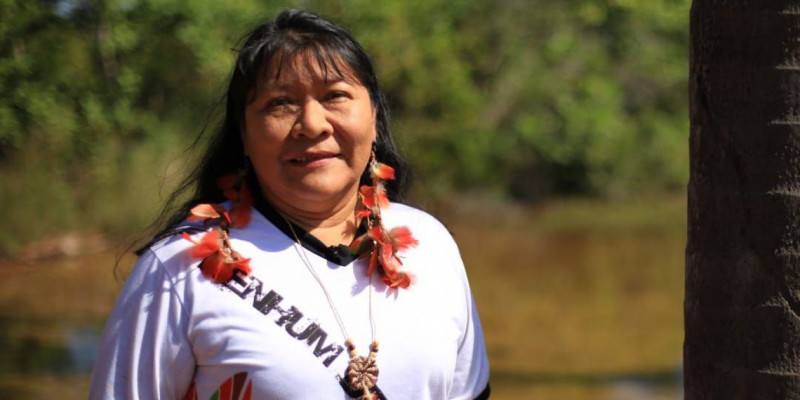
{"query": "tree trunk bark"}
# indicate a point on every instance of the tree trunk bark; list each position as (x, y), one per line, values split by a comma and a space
(742, 304)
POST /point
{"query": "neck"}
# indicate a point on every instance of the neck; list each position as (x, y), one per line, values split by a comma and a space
(333, 224)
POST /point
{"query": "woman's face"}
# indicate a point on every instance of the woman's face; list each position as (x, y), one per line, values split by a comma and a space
(308, 134)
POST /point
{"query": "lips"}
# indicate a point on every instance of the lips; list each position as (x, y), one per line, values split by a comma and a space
(310, 157)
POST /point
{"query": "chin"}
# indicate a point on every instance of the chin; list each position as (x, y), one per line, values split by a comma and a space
(324, 191)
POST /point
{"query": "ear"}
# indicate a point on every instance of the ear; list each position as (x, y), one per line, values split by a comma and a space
(374, 126)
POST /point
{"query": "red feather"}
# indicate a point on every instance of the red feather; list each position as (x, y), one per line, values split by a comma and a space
(187, 237)
(240, 215)
(203, 212)
(369, 195)
(402, 238)
(226, 183)
(382, 171)
(376, 232)
(242, 265)
(373, 262)
(208, 245)
(363, 214)
(213, 267)
(401, 280)
(389, 262)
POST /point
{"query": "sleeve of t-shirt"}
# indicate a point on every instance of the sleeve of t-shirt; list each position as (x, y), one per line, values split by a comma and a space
(471, 378)
(144, 352)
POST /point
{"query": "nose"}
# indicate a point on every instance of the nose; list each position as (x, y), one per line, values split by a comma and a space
(312, 121)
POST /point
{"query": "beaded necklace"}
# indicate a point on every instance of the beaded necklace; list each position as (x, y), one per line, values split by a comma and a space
(362, 372)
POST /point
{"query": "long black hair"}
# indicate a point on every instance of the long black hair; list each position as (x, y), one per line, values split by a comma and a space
(292, 33)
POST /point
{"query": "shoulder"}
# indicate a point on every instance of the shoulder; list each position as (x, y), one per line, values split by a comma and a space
(436, 255)
(421, 223)
(169, 256)
(168, 248)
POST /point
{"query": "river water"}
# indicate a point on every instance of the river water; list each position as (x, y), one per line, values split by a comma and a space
(578, 311)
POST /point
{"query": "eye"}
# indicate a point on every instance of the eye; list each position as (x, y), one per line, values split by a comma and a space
(281, 106)
(336, 95)
(278, 102)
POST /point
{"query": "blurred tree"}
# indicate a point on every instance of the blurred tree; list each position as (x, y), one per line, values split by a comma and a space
(742, 301)
(526, 99)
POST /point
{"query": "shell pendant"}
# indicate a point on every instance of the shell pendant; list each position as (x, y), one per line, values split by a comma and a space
(362, 372)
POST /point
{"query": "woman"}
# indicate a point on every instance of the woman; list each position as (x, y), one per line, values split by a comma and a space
(290, 274)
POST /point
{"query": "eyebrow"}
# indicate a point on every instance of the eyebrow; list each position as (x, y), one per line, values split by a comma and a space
(278, 85)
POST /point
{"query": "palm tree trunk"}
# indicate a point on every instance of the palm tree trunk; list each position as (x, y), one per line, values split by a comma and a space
(742, 305)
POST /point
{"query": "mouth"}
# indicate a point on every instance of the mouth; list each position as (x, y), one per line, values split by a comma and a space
(307, 158)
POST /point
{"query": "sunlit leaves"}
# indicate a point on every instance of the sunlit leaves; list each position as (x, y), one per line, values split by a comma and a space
(484, 94)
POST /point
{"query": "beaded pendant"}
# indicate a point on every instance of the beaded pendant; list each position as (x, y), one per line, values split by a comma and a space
(362, 372)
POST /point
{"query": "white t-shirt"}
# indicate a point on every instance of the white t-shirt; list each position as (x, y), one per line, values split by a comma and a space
(175, 334)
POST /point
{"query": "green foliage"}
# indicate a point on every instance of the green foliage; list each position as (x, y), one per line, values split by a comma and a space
(519, 98)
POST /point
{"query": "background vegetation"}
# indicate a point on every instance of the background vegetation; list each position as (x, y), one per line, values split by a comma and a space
(514, 99)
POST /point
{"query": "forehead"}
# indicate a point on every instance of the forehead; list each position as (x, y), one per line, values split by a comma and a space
(307, 66)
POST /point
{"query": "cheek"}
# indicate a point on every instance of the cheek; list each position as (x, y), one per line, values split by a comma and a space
(362, 146)
(362, 156)
(369, 132)
(356, 134)
(260, 136)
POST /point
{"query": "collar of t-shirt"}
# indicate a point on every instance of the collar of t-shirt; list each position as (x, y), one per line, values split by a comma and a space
(340, 255)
